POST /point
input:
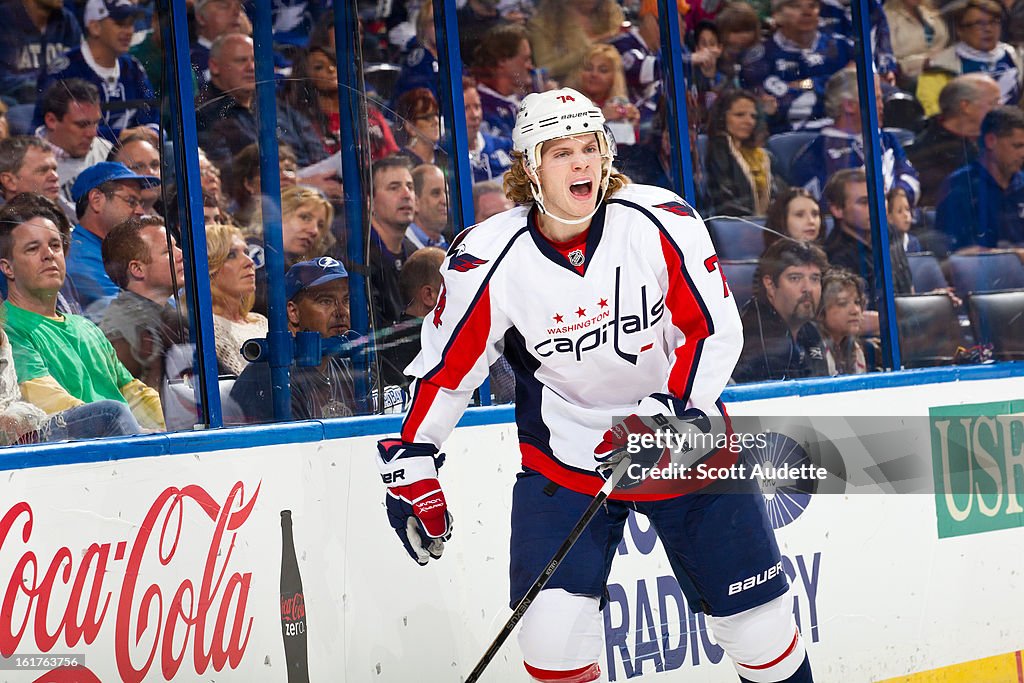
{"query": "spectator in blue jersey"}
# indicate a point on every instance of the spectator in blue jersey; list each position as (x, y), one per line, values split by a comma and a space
(841, 146)
(739, 30)
(793, 65)
(71, 118)
(738, 167)
(431, 222)
(982, 204)
(978, 48)
(34, 36)
(950, 138)
(836, 17)
(489, 156)
(503, 61)
(214, 18)
(780, 339)
(103, 60)
(419, 67)
(639, 45)
(105, 194)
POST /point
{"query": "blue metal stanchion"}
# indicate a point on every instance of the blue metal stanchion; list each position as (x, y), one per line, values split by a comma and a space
(453, 109)
(869, 122)
(278, 337)
(182, 113)
(675, 91)
(353, 119)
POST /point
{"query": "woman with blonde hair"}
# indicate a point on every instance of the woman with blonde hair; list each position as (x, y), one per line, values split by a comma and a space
(232, 291)
(561, 32)
(600, 77)
(306, 218)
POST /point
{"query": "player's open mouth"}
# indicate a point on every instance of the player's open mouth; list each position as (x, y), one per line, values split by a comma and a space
(581, 189)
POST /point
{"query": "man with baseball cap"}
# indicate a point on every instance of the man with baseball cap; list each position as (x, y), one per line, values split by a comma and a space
(127, 96)
(105, 194)
(317, 293)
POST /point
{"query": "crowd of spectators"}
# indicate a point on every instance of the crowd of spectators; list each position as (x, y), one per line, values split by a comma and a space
(86, 194)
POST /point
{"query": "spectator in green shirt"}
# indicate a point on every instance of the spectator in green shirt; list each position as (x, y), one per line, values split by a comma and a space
(61, 360)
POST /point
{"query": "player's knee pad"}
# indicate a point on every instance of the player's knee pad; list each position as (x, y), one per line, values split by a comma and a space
(561, 637)
(763, 642)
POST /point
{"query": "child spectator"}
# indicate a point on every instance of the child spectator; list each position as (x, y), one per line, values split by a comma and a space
(899, 218)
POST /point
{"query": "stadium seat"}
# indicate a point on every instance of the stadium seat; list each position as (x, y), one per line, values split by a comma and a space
(737, 239)
(926, 272)
(902, 110)
(178, 401)
(381, 78)
(929, 330)
(740, 276)
(989, 271)
(998, 319)
(784, 148)
(903, 136)
(19, 119)
(702, 148)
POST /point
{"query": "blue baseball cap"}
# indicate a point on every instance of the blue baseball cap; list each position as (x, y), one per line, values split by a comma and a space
(105, 171)
(118, 10)
(312, 274)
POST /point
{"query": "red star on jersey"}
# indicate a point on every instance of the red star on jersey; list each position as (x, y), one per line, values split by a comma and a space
(558, 317)
(603, 303)
(581, 312)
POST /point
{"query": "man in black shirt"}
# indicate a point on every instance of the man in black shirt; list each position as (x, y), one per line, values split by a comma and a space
(849, 244)
(317, 293)
(780, 339)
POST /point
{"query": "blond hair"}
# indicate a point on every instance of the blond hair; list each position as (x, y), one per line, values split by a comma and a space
(609, 53)
(292, 198)
(517, 183)
(219, 237)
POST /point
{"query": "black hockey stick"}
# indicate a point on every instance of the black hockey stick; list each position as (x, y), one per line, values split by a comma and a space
(556, 560)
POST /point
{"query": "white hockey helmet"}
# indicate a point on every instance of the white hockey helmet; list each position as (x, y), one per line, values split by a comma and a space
(554, 115)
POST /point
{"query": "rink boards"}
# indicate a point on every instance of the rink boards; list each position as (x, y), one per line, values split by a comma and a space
(167, 567)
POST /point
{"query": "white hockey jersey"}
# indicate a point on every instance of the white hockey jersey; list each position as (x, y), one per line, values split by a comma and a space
(651, 313)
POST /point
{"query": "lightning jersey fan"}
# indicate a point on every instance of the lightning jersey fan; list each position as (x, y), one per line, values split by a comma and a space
(639, 305)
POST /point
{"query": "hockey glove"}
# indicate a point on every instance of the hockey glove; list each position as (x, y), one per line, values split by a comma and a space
(415, 503)
(634, 437)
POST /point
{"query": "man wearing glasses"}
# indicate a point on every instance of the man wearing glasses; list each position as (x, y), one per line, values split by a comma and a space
(136, 151)
(104, 194)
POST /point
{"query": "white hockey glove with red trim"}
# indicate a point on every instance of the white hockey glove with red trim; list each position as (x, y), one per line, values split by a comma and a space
(415, 503)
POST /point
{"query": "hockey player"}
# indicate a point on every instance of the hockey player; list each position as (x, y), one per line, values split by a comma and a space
(607, 300)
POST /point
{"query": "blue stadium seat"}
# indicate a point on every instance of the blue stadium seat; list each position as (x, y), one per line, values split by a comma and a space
(989, 271)
(740, 276)
(929, 329)
(784, 148)
(702, 148)
(736, 239)
(926, 272)
(381, 78)
(903, 136)
(998, 319)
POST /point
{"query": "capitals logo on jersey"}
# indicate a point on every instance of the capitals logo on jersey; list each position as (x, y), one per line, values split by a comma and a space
(462, 261)
(607, 317)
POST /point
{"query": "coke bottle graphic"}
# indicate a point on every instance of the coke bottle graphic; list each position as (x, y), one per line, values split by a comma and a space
(293, 606)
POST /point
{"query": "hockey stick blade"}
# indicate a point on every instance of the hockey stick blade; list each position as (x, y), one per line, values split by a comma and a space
(549, 569)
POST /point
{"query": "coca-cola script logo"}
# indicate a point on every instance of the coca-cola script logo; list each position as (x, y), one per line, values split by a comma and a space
(293, 608)
(67, 599)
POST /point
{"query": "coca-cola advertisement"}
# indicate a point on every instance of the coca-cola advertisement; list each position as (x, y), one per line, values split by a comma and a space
(161, 611)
